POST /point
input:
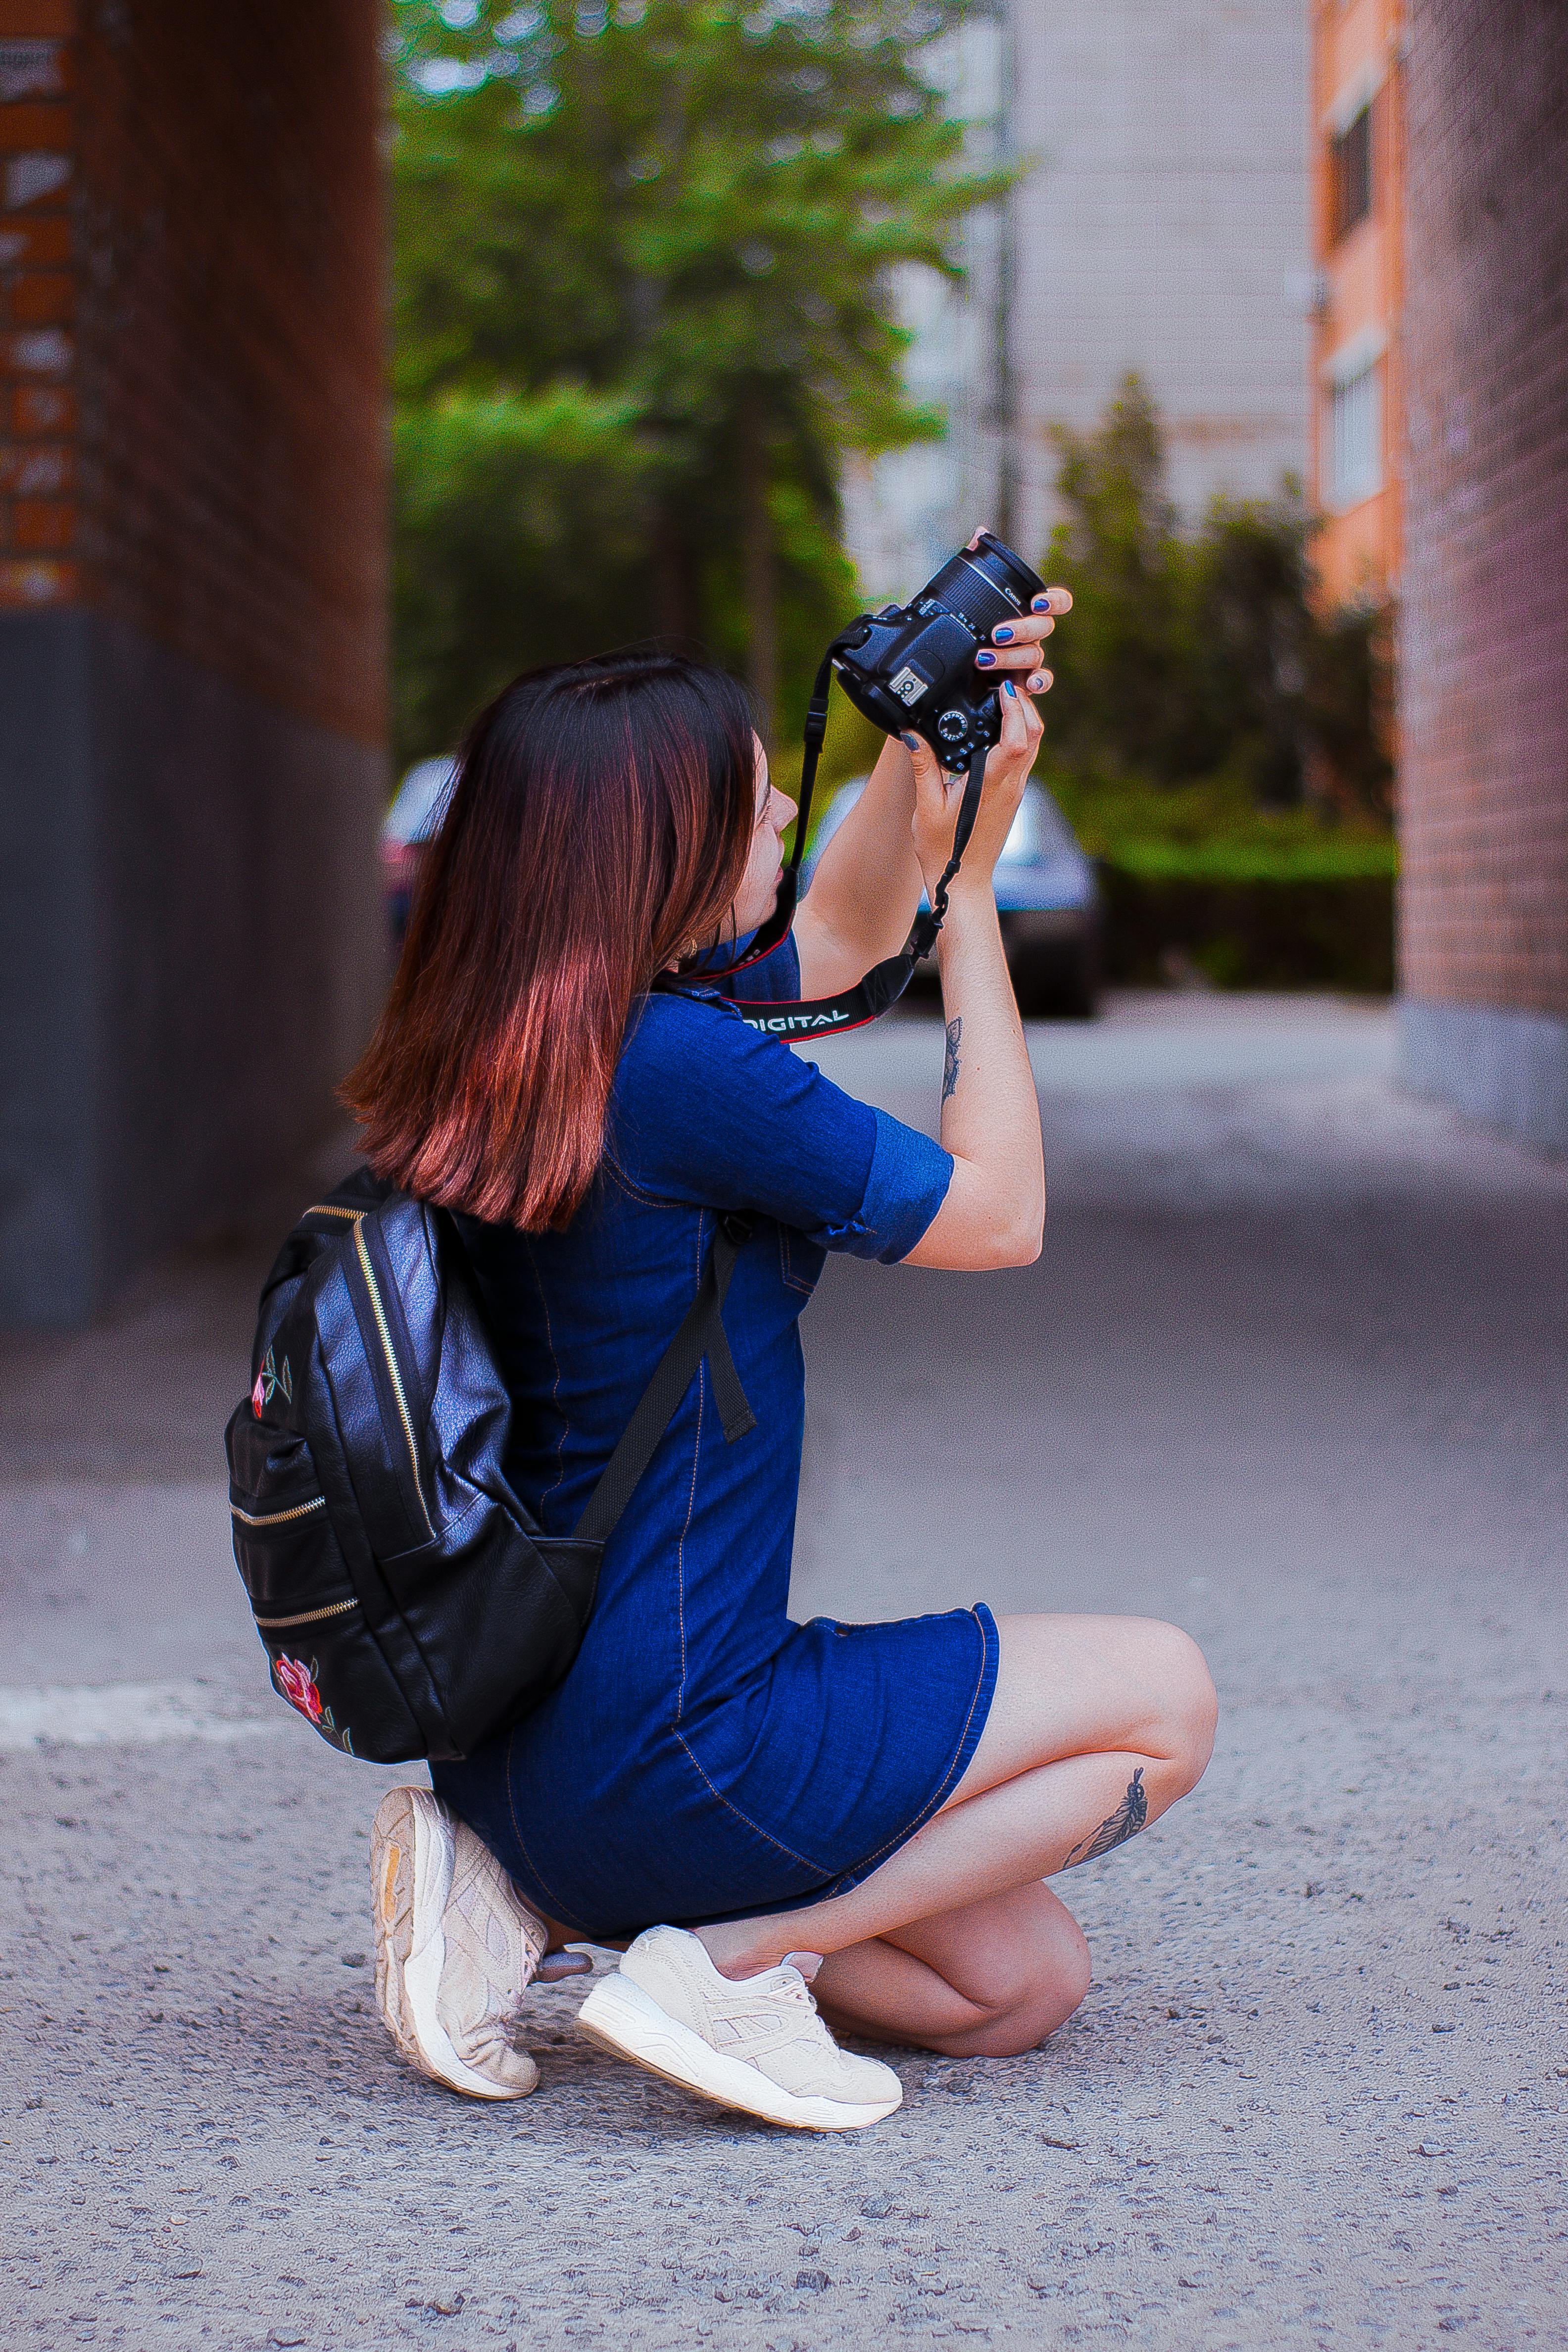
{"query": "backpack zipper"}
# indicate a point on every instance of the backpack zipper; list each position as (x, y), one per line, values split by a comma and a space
(357, 1217)
(276, 1519)
(404, 1415)
(308, 1616)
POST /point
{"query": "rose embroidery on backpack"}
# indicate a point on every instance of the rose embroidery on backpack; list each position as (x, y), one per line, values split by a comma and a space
(296, 1681)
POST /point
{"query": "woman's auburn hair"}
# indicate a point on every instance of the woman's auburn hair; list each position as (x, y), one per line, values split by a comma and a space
(598, 826)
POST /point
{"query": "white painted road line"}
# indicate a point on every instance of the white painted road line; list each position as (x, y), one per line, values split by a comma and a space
(120, 1715)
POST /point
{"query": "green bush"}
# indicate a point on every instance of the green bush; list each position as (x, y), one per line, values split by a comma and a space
(1332, 860)
(1323, 933)
(1207, 657)
(1216, 737)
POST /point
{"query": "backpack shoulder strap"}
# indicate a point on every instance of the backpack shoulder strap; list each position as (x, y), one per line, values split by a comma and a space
(701, 1333)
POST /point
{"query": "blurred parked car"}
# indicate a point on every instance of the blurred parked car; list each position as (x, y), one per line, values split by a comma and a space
(1045, 895)
(409, 824)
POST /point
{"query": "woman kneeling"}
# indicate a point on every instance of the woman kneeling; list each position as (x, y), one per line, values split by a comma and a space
(752, 1806)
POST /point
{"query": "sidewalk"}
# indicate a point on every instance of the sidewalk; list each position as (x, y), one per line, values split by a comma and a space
(1291, 1371)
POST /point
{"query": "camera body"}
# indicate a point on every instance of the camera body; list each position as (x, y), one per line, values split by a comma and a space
(910, 668)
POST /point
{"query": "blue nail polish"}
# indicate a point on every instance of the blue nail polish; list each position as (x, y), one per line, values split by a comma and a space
(1004, 637)
(985, 661)
(913, 740)
(1040, 604)
(1008, 687)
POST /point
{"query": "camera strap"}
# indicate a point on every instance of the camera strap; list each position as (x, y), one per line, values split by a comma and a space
(886, 981)
(776, 927)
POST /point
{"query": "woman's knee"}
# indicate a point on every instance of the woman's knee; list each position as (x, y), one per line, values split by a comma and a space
(1186, 1705)
(1025, 1984)
(1034, 2006)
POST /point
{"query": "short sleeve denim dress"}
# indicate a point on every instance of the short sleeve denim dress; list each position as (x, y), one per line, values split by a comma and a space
(705, 1756)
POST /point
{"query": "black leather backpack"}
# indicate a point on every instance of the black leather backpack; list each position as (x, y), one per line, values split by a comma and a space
(409, 1602)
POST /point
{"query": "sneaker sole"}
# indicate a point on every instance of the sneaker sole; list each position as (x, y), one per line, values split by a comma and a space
(621, 2018)
(411, 1860)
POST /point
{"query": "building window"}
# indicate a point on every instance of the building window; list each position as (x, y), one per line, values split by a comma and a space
(1355, 437)
(1350, 173)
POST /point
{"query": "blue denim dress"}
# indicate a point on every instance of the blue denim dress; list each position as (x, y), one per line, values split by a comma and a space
(705, 1756)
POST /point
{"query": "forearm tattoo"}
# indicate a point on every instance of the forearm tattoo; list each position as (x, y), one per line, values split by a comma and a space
(950, 1066)
(1115, 1829)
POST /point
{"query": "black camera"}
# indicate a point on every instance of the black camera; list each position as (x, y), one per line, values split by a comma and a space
(910, 668)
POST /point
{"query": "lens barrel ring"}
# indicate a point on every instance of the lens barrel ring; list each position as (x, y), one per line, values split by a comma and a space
(984, 586)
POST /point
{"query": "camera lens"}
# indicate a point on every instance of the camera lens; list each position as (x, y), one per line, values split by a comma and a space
(987, 584)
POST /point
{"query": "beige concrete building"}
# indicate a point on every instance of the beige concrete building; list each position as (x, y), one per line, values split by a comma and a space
(1163, 225)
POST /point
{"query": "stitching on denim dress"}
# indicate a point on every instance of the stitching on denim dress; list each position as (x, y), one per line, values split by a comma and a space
(555, 1384)
(690, 1504)
(558, 1910)
(804, 1860)
(617, 1176)
(867, 1863)
(680, 1547)
(792, 1280)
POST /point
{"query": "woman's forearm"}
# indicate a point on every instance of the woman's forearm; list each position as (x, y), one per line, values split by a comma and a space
(867, 887)
(994, 1211)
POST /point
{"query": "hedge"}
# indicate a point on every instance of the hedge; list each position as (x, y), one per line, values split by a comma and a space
(1248, 929)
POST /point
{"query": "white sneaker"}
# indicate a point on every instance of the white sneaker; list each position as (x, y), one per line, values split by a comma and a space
(455, 1949)
(756, 2043)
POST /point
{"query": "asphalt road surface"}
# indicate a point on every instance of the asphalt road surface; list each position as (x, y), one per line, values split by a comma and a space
(1291, 1371)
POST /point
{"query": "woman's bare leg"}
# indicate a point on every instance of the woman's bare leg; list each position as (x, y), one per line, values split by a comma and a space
(1097, 1726)
(984, 1981)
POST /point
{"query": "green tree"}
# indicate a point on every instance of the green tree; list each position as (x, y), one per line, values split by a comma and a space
(1207, 655)
(494, 491)
(1350, 688)
(1250, 633)
(641, 312)
(1121, 701)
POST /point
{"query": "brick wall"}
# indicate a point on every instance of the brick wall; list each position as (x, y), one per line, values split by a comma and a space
(1484, 631)
(192, 617)
(39, 414)
(191, 271)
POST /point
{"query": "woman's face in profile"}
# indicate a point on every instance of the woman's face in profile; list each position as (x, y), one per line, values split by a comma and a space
(754, 900)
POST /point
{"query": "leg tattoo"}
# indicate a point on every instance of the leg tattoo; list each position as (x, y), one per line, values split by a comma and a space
(1126, 1821)
(950, 1066)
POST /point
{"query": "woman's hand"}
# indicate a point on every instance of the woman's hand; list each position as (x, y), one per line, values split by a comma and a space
(939, 797)
(868, 885)
(1014, 654)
